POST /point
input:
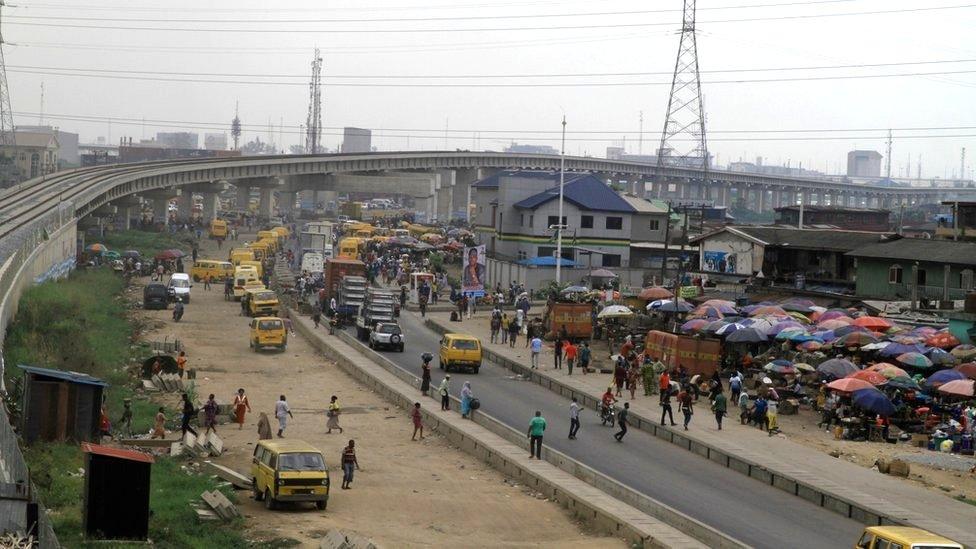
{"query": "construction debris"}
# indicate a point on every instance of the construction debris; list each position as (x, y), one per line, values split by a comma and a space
(219, 503)
(236, 479)
(170, 383)
(338, 539)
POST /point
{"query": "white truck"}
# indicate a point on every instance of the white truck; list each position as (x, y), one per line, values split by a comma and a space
(313, 262)
(377, 307)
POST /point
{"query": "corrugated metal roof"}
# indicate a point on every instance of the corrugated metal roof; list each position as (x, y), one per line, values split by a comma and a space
(585, 192)
(642, 205)
(921, 249)
(492, 180)
(74, 377)
(131, 455)
(811, 239)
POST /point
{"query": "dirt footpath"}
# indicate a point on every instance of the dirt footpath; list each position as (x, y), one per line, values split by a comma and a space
(408, 494)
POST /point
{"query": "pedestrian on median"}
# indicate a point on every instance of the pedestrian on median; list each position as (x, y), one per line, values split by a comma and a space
(743, 407)
(685, 405)
(466, 396)
(633, 373)
(537, 426)
(557, 353)
(188, 412)
(536, 350)
(647, 375)
(316, 317)
(333, 414)
(735, 386)
(282, 412)
(513, 330)
(348, 463)
(772, 426)
(444, 389)
(504, 329)
(574, 423)
(619, 374)
(584, 357)
(241, 406)
(496, 324)
(210, 409)
(719, 406)
(417, 423)
(571, 351)
(623, 419)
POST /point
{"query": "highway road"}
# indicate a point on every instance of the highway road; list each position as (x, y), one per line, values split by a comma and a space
(752, 512)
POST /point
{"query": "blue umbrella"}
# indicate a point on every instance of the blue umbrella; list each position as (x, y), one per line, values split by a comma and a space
(849, 329)
(942, 377)
(746, 335)
(674, 307)
(874, 401)
(837, 367)
(782, 362)
(802, 338)
(729, 328)
(896, 349)
(940, 357)
(826, 335)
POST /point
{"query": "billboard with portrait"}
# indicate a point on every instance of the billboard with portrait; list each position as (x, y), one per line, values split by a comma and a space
(473, 271)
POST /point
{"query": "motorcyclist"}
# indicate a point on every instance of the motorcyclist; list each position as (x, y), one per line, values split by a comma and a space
(178, 310)
(607, 401)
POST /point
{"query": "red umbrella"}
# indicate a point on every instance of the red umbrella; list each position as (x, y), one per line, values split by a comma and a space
(849, 385)
(169, 254)
(874, 378)
(942, 340)
(968, 369)
(959, 387)
(872, 323)
(654, 293)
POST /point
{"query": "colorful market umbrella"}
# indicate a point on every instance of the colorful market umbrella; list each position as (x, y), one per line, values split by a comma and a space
(575, 290)
(942, 340)
(837, 367)
(811, 346)
(724, 306)
(849, 385)
(896, 349)
(694, 325)
(96, 248)
(804, 367)
(915, 360)
(903, 382)
(850, 329)
(788, 333)
(615, 311)
(769, 310)
(874, 378)
(834, 314)
(775, 329)
(968, 369)
(940, 357)
(803, 338)
(670, 306)
(781, 369)
(873, 323)
(874, 401)
(759, 324)
(729, 328)
(713, 325)
(169, 254)
(832, 324)
(655, 292)
(746, 335)
(855, 339)
(964, 352)
(943, 376)
(826, 335)
(705, 311)
(959, 387)
(134, 254)
(890, 371)
(798, 305)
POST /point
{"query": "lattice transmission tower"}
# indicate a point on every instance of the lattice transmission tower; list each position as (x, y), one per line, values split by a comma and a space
(313, 125)
(6, 114)
(683, 140)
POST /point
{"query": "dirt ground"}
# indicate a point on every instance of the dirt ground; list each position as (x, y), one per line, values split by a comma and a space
(802, 428)
(408, 494)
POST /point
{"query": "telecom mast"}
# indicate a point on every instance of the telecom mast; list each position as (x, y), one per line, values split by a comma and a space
(235, 125)
(313, 125)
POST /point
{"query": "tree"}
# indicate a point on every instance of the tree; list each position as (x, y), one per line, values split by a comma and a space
(258, 147)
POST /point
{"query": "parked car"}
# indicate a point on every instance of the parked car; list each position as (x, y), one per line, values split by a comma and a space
(155, 296)
(388, 335)
(179, 287)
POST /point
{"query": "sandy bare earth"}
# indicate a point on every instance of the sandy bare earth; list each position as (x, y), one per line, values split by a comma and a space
(408, 494)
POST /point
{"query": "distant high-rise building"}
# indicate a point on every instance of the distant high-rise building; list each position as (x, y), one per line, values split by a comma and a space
(178, 140)
(864, 164)
(215, 141)
(356, 140)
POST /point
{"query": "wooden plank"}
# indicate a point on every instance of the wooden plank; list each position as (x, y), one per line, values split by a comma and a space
(236, 479)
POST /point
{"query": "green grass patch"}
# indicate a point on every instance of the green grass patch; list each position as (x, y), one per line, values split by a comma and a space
(964, 499)
(148, 243)
(173, 522)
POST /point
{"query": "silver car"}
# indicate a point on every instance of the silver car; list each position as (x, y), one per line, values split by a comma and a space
(388, 335)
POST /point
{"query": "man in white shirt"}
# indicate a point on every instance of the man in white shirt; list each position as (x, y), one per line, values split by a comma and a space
(282, 412)
(574, 423)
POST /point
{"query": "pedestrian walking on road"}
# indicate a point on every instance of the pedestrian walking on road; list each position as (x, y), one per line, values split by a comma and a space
(513, 330)
(743, 407)
(282, 413)
(537, 426)
(685, 405)
(444, 389)
(735, 386)
(206, 281)
(557, 354)
(316, 316)
(241, 406)
(536, 351)
(333, 414)
(210, 409)
(584, 357)
(188, 412)
(417, 423)
(719, 406)
(574, 422)
(623, 419)
(349, 462)
(496, 325)
(619, 374)
(466, 396)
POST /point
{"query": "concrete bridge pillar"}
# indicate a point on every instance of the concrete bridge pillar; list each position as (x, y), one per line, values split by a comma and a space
(184, 205)
(445, 194)
(210, 206)
(761, 199)
(463, 179)
(160, 199)
(243, 196)
(265, 203)
(286, 202)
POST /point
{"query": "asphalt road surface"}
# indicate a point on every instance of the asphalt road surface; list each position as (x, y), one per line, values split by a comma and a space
(754, 513)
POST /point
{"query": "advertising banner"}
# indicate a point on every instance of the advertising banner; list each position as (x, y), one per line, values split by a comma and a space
(474, 271)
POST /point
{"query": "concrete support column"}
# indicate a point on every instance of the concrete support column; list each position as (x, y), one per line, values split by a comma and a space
(243, 197)
(161, 211)
(125, 217)
(286, 202)
(445, 194)
(266, 203)
(210, 206)
(184, 206)
(761, 199)
(683, 187)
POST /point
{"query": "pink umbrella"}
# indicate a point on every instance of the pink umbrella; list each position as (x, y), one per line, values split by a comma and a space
(835, 323)
(959, 387)
(833, 315)
(849, 385)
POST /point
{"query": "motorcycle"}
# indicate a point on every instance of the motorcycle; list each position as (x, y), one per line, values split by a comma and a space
(178, 311)
(607, 414)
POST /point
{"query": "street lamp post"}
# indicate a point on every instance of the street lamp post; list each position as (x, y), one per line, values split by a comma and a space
(559, 224)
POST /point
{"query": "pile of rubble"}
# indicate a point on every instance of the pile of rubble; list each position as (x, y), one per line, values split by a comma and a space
(203, 445)
(171, 383)
(215, 506)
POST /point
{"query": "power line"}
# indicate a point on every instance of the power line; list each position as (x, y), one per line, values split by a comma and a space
(486, 84)
(438, 133)
(488, 29)
(393, 19)
(493, 76)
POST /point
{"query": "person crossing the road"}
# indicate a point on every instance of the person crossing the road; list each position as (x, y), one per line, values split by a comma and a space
(574, 422)
(623, 420)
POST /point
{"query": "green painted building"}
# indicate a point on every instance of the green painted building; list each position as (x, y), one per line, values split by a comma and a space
(942, 268)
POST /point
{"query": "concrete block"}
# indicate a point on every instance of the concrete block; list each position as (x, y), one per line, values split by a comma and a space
(761, 475)
(836, 505)
(719, 457)
(809, 494)
(785, 484)
(215, 445)
(738, 465)
(236, 479)
(176, 449)
(865, 516)
(698, 448)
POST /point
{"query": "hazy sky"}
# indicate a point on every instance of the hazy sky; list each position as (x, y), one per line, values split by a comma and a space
(484, 115)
